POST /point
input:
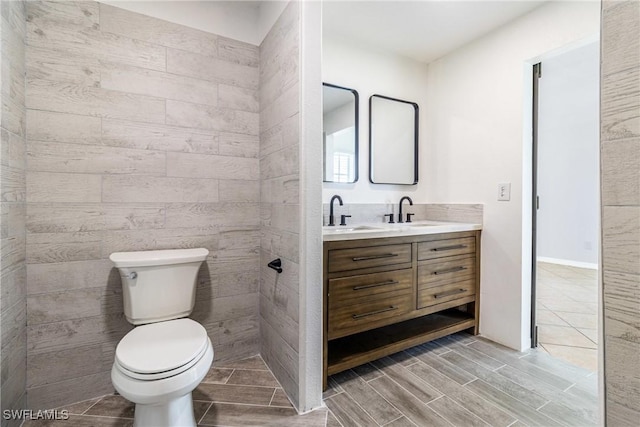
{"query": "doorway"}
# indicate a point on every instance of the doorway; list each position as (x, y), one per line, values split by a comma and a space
(566, 206)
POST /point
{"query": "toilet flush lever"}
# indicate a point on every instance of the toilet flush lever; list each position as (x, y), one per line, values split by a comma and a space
(133, 275)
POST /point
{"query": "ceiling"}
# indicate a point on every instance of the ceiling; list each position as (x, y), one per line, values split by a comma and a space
(421, 30)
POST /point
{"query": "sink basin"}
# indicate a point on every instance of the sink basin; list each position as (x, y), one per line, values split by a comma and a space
(339, 229)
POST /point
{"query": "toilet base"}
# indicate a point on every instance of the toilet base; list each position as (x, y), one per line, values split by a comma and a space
(174, 413)
(163, 402)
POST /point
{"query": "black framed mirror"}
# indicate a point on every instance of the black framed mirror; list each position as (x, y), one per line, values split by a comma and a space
(393, 141)
(339, 134)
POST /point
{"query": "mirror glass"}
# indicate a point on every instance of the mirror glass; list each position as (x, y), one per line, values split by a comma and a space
(393, 141)
(340, 133)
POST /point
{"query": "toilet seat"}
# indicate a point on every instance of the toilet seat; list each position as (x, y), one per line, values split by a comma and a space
(162, 391)
(161, 350)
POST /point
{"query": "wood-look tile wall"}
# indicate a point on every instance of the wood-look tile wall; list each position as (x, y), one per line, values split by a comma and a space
(13, 337)
(142, 134)
(279, 198)
(620, 189)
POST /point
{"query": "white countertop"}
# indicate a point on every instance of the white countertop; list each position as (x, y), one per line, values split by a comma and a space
(378, 230)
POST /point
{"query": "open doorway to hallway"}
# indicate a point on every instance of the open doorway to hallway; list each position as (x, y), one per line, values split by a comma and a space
(567, 217)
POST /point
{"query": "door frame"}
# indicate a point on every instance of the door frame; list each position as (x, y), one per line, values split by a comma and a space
(529, 199)
(537, 74)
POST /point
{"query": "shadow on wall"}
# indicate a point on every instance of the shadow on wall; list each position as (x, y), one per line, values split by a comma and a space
(203, 309)
(116, 324)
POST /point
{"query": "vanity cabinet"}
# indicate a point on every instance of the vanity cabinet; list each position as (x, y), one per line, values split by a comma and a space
(383, 295)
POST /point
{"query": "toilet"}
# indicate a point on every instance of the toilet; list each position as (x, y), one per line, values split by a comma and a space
(163, 359)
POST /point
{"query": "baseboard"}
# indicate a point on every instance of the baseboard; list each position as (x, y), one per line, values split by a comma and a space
(568, 262)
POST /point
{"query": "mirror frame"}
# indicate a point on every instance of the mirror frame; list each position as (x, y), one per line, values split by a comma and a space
(416, 109)
(356, 138)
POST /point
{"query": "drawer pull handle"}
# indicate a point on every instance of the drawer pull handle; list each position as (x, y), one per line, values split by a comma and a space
(375, 285)
(367, 258)
(448, 248)
(449, 293)
(450, 270)
(360, 316)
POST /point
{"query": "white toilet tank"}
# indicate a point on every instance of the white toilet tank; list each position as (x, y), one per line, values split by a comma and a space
(158, 285)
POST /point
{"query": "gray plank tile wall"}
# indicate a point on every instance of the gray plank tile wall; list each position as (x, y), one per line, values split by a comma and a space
(620, 188)
(142, 134)
(279, 199)
(13, 314)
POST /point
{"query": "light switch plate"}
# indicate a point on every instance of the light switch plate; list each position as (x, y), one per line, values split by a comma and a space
(504, 192)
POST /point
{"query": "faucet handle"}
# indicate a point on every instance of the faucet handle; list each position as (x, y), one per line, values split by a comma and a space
(391, 221)
(409, 215)
(343, 219)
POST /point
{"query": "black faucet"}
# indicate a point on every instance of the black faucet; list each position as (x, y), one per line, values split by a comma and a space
(400, 211)
(331, 220)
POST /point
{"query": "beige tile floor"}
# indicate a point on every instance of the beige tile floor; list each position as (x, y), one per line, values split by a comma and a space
(567, 313)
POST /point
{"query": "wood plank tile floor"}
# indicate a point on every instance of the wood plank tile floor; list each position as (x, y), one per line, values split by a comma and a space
(459, 380)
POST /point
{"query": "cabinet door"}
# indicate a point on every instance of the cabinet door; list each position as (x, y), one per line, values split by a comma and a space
(445, 270)
(345, 290)
(368, 314)
(445, 292)
(446, 248)
(374, 256)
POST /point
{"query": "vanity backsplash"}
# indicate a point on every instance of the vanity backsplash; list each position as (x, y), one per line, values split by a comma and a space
(374, 212)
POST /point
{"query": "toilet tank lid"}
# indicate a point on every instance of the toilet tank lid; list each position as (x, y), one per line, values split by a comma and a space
(160, 257)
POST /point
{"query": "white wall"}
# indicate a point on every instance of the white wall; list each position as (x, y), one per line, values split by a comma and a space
(347, 64)
(310, 331)
(568, 144)
(477, 101)
(247, 21)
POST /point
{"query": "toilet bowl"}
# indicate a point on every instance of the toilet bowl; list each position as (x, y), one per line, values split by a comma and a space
(157, 366)
(162, 360)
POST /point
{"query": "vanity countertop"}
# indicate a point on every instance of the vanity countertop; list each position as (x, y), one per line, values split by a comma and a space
(380, 230)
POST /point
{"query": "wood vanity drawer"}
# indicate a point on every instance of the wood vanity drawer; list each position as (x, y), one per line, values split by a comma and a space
(446, 248)
(342, 291)
(445, 292)
(453, 269)
(365, 315)
(374, 256)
